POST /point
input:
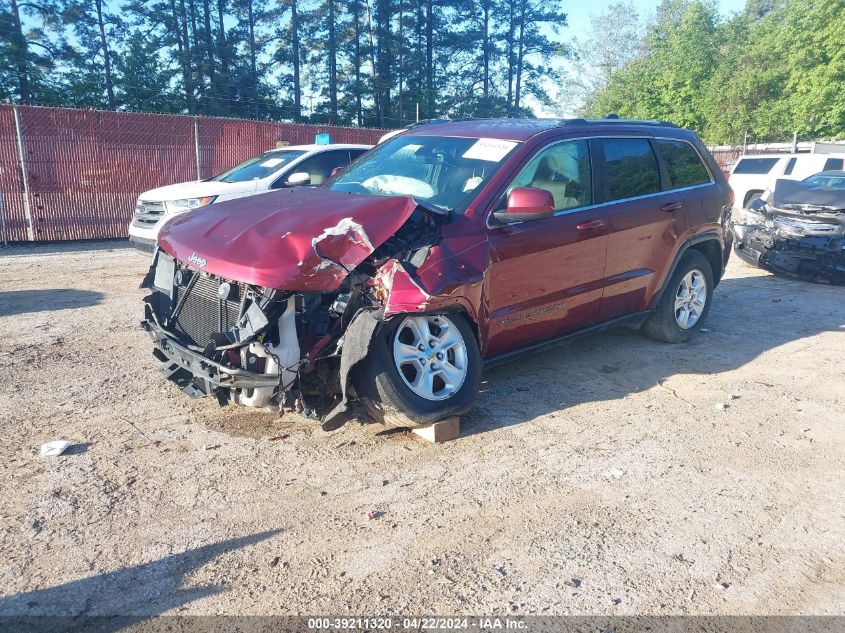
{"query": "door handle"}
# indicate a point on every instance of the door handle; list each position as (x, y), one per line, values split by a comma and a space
(592, 224)
(672, 206)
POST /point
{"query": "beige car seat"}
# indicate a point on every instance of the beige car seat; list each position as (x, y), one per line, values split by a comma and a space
(550, 176)
(558, 171)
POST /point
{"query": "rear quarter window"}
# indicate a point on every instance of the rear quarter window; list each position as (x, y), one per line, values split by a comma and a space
(683, 163)
(631, 168)
(755, 165)
(833, 164)
(790, 166)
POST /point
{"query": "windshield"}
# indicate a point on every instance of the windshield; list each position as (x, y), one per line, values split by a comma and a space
(827, 181)
(261, 166)
(442, 172)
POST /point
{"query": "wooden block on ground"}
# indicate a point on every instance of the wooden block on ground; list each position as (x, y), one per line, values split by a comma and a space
(443, 431)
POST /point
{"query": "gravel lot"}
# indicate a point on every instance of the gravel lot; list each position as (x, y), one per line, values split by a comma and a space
(602, 477)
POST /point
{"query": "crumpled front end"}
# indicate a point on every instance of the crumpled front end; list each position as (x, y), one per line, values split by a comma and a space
(809, 245)
(219, 337)
(253, 345)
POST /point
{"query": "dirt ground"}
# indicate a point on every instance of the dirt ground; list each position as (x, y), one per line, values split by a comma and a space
(601, 477)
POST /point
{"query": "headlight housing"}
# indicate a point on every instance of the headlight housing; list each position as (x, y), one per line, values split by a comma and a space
(186, 204)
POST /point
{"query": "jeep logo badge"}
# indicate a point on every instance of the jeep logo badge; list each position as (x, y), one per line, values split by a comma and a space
(196, 259)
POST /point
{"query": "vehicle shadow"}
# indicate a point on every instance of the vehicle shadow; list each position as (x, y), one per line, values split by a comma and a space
(15, 302)
(118, 598)
(750, 315)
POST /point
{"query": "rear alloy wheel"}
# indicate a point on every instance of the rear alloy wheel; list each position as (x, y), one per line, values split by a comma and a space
(690, 299)
(685, 302)
(421, 368)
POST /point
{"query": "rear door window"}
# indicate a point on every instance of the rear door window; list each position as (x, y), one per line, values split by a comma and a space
(755, 165)
(833, 164)
(630, 167)
(683, 163)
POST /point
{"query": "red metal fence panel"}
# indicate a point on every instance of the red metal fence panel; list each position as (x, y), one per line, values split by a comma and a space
(86, 168)
(726, 157)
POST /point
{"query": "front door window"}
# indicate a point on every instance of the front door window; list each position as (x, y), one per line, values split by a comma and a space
(563, 169)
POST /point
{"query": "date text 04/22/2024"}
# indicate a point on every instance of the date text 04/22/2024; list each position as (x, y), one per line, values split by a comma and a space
(416, 624)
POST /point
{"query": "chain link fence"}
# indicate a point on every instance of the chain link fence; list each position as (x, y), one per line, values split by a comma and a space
(70, 174)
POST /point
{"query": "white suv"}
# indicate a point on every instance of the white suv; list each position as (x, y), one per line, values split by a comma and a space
(751, 176)
(286, 167)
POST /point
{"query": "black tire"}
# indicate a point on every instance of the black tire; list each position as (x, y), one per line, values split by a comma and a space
(662, 325)
(388, 400)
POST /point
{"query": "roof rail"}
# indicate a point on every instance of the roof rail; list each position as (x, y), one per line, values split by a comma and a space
(615, 120)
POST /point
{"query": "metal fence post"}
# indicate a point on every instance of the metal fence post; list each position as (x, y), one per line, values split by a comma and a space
(30, 232)
(3, 221)
(197, 145)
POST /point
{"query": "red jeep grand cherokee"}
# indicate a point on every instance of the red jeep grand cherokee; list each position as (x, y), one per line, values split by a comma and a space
(445, 248)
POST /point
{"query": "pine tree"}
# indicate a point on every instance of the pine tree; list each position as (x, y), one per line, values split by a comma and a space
(33, 44)
(96, 30)
(145, 76)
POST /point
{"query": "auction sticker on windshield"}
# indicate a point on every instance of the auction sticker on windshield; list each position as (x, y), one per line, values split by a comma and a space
(491, 149)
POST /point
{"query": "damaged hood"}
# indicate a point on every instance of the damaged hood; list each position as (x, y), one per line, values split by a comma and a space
(293, 239)
(798, 195)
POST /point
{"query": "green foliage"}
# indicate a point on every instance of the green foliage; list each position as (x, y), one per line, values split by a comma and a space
(145, 82)
(771, 70)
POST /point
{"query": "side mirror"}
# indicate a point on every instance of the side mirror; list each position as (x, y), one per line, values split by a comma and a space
(298, 178)
(757, 205)
(527, 203)
(336, 171)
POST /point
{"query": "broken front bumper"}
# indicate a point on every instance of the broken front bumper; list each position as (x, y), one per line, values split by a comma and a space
(197, 375)
(809, 257)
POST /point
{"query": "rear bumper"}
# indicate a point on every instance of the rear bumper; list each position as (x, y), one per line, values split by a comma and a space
(197, 375)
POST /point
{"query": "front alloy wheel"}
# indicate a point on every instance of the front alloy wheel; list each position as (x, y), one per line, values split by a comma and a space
(421, 368)
(431, 356)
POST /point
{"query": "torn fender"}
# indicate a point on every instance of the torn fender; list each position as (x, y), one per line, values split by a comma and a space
(452, 274)
(293, 239)
(398, 291)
